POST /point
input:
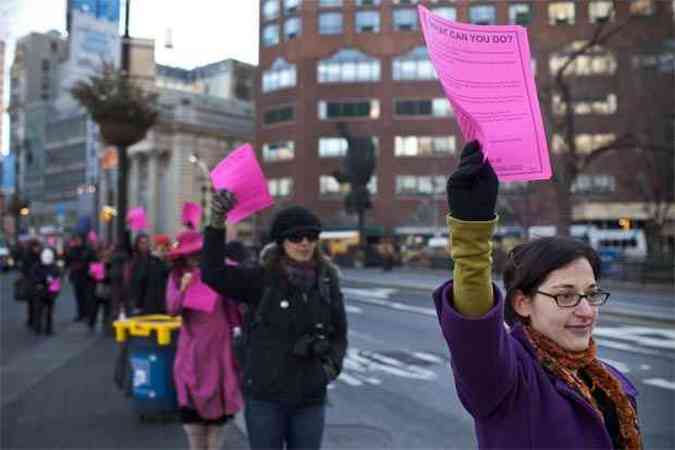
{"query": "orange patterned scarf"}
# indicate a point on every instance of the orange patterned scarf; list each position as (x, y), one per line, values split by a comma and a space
(565, 365)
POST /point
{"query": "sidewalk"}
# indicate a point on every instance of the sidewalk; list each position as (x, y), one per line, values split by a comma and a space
(660, 305)
(59, 394)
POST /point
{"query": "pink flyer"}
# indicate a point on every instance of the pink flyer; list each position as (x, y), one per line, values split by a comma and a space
(200, 297)
(240, 173)
(486, 74)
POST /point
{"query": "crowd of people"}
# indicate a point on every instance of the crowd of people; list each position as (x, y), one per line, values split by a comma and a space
(270, 335)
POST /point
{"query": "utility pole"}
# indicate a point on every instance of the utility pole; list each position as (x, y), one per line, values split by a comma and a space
(122, 156)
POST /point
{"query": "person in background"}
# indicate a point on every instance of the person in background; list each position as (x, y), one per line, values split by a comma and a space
(149, 274)
(205, 372)
(539, 382)
(45, 279)
(120, 278)
(78, 257)
(101, 296)
(30, 258)
(297, 335)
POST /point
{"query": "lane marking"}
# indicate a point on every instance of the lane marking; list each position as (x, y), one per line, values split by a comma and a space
(624, 347)
(645, 367)
(353, 309)
(660, 382)
(621, 367)
(428, 357)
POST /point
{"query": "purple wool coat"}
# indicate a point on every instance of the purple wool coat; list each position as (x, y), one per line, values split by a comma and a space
(515, 403)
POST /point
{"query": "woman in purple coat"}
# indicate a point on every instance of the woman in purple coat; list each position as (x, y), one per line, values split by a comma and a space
(537, 383)
(205, 372)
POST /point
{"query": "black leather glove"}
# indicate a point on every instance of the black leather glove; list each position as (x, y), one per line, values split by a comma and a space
(472, 188)
(222, 202)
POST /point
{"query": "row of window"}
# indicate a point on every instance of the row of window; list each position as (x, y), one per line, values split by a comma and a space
(271, 8)
(405, 19)
(329, 186)
(353, 66)
(365, 108)
(595, 184)
(336, 147)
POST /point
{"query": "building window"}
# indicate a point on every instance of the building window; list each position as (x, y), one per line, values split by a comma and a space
(594, 184)
(600, 11)
(406, 2)
(435, 107)
(330, 23)
(280, 187)
(270, 9)
(350, 108)
(561, 13)
(279, 151)
(482, 15)
(585, 143)
(329, 186)
(332, 147)
(367, 2)
(270, 35)
(419, 185)
(601, 106)
(520, 14)
(414, 65)
(595, 61)
(367, 21)
(348, 66)
(642, 7)
(405, 19)
(277, 115)
(281, 75)
(292, 27)
(411, 146)
(292, 6)
(330, 3)
(447, 12)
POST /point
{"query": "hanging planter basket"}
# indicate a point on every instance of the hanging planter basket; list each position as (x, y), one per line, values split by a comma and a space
(121, 133)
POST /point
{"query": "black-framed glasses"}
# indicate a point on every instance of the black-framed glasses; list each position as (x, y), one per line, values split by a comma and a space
(296, 238)
(572, 299)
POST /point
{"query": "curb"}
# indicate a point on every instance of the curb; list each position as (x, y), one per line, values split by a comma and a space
(617, 312)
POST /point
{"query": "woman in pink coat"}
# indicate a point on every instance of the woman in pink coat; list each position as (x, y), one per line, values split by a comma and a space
(205, 371)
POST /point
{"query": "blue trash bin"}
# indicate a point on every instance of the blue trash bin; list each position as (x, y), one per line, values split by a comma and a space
(151, 342)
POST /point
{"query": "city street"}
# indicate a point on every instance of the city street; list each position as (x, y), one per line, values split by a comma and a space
(396, 390)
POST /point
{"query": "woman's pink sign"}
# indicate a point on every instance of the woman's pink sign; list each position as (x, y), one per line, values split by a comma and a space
(241, 174)
(136, 219)
(54, 286)
(200, 297)
(97, 271)
(192, 214)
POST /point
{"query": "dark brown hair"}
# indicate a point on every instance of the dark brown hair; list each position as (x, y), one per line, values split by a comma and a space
(528, 265)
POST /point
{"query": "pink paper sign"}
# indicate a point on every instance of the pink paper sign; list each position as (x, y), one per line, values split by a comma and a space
(92, 237)
(486, 74)
(241, 174)
(54, 286)
(136, 219)
(97, 271)
(192, 213)
(200, 297)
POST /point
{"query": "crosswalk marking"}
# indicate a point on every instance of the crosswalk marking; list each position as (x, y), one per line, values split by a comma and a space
(660, 382)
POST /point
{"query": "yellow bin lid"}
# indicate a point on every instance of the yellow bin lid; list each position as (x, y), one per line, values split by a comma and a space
(162, 324)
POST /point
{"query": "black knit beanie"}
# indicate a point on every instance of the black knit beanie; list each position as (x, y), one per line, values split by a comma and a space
(291, 220)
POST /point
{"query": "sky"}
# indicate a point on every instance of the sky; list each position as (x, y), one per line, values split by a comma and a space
(202, 31)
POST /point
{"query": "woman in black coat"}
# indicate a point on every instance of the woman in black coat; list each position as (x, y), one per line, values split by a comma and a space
(296, 327)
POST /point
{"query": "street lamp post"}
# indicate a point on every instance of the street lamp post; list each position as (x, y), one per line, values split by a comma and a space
(122, 154)
(194, 159)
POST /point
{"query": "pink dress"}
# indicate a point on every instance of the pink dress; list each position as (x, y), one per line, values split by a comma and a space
(205, 371)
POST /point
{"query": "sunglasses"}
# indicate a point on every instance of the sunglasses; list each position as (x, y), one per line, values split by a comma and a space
(296, 238)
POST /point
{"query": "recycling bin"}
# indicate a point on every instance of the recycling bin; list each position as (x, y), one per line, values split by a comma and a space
(151, 348)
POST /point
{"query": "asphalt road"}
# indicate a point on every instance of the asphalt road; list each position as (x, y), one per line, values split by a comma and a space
(396, 390)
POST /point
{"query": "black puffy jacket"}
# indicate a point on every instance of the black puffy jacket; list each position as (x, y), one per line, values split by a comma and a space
(281, 315)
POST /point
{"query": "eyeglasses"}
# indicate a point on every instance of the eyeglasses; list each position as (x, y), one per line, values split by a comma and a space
(311, 236)
(572, 299)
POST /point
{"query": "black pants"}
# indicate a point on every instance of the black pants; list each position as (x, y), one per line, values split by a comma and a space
(43, 314)
(97, 304)
(82, 288)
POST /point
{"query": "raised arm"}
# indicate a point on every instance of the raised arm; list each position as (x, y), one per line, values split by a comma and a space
(470, 308)
(242, 284)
